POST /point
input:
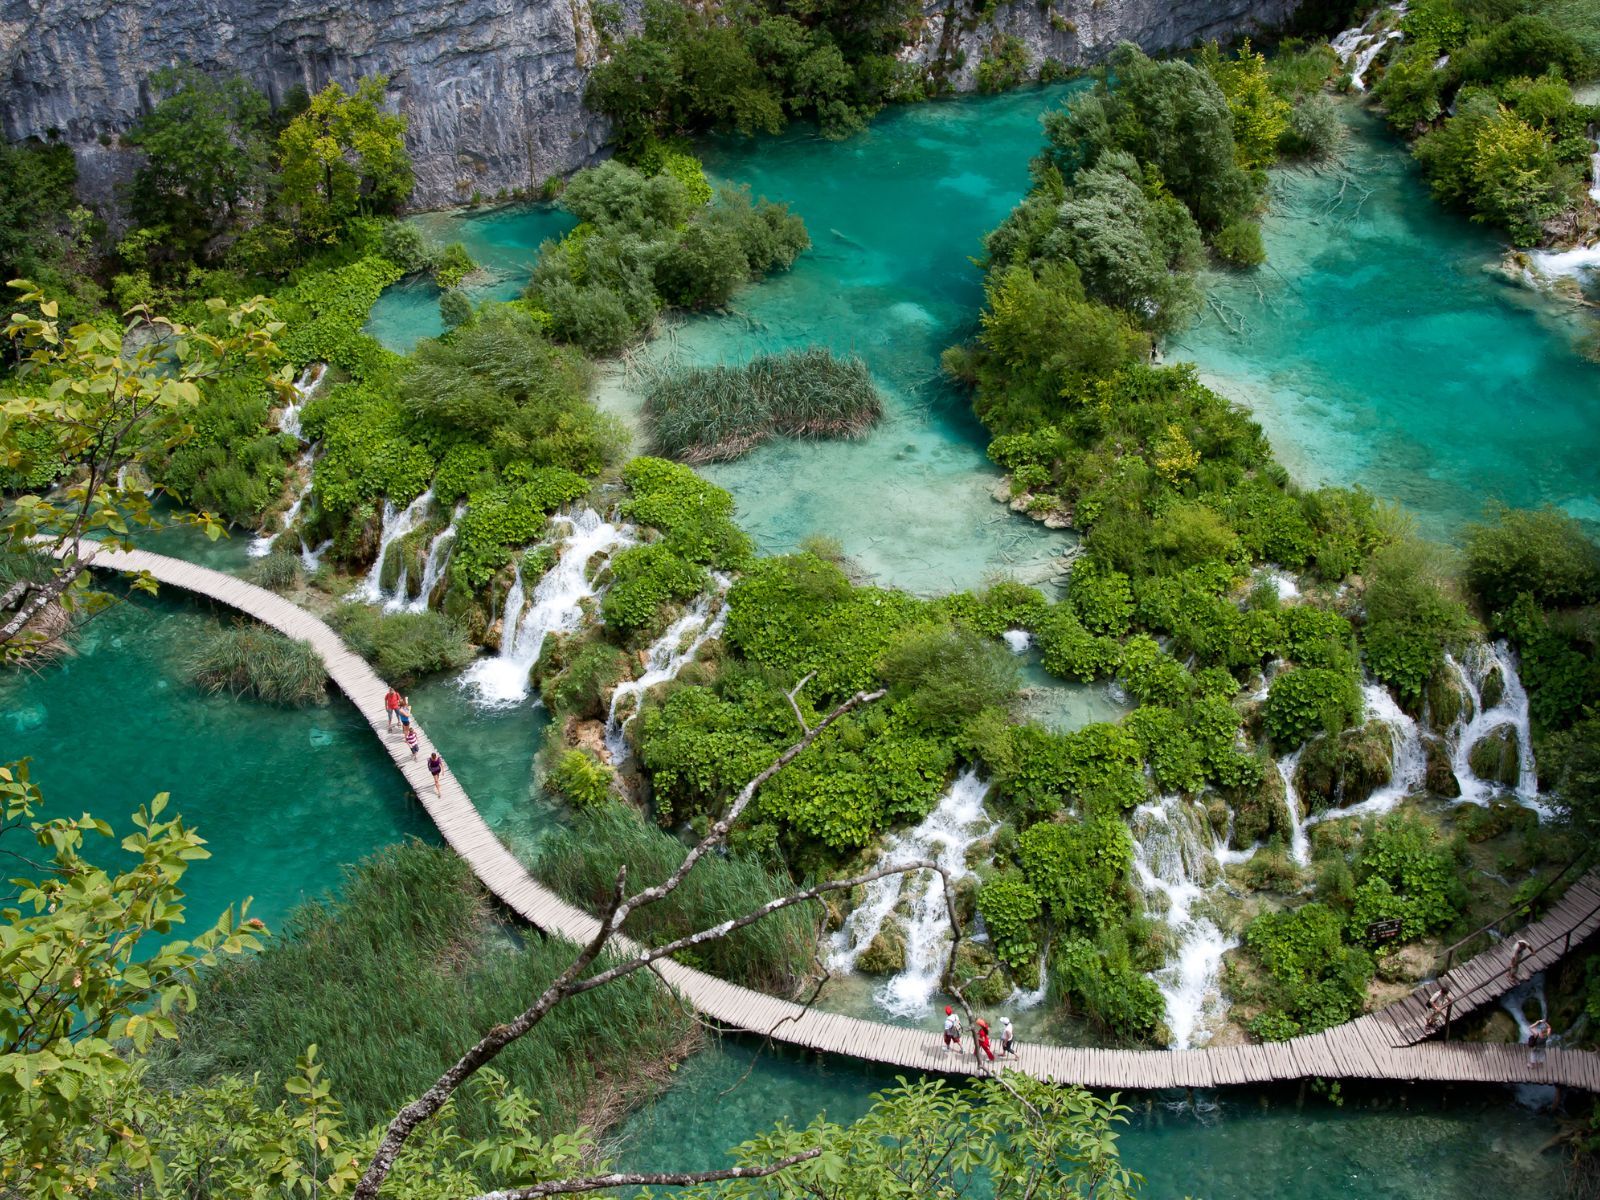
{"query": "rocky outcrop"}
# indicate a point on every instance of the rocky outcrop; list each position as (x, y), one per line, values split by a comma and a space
(492, 88)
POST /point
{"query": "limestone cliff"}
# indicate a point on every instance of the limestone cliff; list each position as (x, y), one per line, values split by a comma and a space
(493, 88)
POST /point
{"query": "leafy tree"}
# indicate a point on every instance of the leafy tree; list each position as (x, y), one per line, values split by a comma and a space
(343, 157)
(1413, 615)
(44, 232)
(1543, 552)
(207, 155)
(100, 400)
(79, 975)
(1260, 115)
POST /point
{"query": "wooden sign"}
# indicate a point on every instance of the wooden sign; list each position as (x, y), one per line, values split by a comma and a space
(1383, 931)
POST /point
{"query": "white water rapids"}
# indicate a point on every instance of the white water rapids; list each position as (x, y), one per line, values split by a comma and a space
(433, 568)
(945, 835)
(289, 422)
(1359, 49)
(556, 605)
(1477, 722)
(396, 524)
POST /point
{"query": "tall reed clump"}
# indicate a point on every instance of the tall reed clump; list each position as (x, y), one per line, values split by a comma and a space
(403, 646)
(401, 974)
(712, 414)
(249, 660)
(581, 861)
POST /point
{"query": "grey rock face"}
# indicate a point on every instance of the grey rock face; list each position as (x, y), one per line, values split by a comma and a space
(493, 89)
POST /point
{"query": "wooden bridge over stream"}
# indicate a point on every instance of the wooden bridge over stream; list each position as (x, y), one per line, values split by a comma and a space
(1392, 1043)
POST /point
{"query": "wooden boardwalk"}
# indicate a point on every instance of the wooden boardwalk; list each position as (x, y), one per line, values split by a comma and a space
(1388, 1044)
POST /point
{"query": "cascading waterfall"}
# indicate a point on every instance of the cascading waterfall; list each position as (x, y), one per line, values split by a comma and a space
(1410, 763)
(1477, 722)
(1358, 49)
(438, 556)
(945, 836)
(1173, 860)
(1299, 844)
(289, 422)
(396, 524)
(668, 654)
(555, 606)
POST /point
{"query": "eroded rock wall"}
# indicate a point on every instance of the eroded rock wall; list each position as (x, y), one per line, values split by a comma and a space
(493, 88)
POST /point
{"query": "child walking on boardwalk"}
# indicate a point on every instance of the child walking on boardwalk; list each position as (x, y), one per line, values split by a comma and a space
(981, 1040)
(435, 768)
(952, 1030)
(411, 740)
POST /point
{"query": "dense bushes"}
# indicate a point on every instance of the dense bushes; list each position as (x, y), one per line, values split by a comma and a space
(1489, 93)
(412, 946)
(1310, 979)
(645, 241)
(710, 414)
(751, 68)
(581, 863)
(249, 660)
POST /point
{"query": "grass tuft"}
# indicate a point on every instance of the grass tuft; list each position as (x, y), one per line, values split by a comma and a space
(249, 660)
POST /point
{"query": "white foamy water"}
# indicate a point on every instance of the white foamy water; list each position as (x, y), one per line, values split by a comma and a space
(1410, 764)
(1299, 844)
(433, 568)
(667, 655)
(556, 605)
(396, 524)
(1477, 723)
(289, 422)
(1017, 640)
(1174, 860)
(944, 836)
(1358, 49)
(1566, 264)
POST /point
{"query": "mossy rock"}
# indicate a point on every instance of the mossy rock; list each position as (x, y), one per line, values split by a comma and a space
(1494, 758)
(1408, 964)
(1493, 688)
(1440, 778)
(1343, 769)
(886, 952)
(1498, 817)
(973, 961)
(966, 897)
(1216, 813)
(1447, 701)
(1260, 813)
(835, 910)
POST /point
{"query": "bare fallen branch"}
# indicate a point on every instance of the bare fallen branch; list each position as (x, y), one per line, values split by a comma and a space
(594, 1183)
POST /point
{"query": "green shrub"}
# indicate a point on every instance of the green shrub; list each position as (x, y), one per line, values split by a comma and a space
(1098, 979)
(1543, 552)
(1102, 599)
(1238, 243)
(1096, 769)
(581, 779)
(696, 517)
(1309, 700)
(249, 660)
(1004, 64)
(1413, 615)
(452, 266)
(1404, 873)
(941, 675)
(579, 689)
(1070, 651)
(643, 579)
(1315, 131)
(278, 571)
(1079, 869)
(1314, 981)
(1010, 909)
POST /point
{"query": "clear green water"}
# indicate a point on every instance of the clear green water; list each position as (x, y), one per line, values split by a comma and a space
(504, 242)
(1380, 347)
(285, 797)
(1256, 1145)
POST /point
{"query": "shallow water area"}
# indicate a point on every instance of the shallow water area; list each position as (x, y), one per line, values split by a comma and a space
(1379, 345)
(284, 797)
(1238, 1144)
(503, 241)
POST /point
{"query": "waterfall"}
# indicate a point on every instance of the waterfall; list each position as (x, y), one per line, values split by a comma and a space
(289, 422)
(438, 555)
(1477, 722)
(667, 655)
(311, 557)
(1364, 47)
(396, 524)
(1409, 763)
(944, 836)
(556, 605)
(1017, 640)
(1299, 844)
(1173, 861)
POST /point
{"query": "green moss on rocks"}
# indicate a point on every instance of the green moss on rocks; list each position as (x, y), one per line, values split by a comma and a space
(1260, 813)
(1447, 701)
(1441, 773)
(1493, 688)
(1344, 769)
(1495, 757)
(886, 952)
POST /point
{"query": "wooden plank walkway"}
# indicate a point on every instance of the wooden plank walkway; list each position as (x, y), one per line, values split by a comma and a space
(1388, 1044)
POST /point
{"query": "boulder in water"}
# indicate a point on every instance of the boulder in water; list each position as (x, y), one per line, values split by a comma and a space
(1260, 813)
(975, 961)
(1440, 778)
(1493, 688)
(1337, 770)
(1496, 757)
(886, 952)
(1447, 701)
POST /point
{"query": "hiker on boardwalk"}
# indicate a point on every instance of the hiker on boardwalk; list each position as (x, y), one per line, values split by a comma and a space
(1439, 1006)
(392, 701)
(952, 1030)
(435, 768)
(404, 713)
(980, 1040)
(1518, 952)
(1008, 1039)
(411, 741)
(1538, 1035)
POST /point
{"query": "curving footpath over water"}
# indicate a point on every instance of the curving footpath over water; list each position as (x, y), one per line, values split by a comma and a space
(1388, 1044)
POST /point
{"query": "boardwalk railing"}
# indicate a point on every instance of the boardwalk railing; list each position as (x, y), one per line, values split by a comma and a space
(1380, 1045)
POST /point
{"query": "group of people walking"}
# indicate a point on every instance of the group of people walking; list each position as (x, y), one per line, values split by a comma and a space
(981, 1044)
(398, 708)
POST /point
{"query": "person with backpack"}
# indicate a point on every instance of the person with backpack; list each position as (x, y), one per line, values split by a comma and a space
(952, 1030)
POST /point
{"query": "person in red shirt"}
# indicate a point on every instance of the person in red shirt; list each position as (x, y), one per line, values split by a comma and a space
(982, 1033)
(391, 704)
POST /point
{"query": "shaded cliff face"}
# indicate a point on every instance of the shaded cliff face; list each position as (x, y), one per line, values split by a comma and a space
(492, 88)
